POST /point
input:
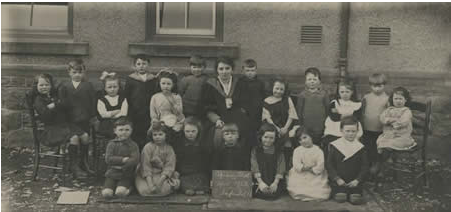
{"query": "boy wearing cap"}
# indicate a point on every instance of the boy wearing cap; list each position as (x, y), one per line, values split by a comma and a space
(190, 86)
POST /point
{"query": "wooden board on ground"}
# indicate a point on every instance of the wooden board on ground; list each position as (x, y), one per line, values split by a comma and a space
(73, 198)
(180, 199)
(231, 184)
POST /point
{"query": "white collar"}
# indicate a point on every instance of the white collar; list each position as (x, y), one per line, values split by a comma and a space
(347, 148)
(228, 87)
(76, 84)
(272, 99)
(143, 76)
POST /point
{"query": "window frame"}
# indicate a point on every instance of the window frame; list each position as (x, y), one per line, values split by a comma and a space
(151, 27)
(42, 35)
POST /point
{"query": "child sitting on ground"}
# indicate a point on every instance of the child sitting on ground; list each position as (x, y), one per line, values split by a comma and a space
(156, 174)
(122, 156)
(347, 164)
(110, 106)
(267, 164)
(307, 180)
(192, 159)
(230, 155)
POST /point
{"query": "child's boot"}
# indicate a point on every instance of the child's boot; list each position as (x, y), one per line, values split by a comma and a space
(356, 199)
(74, 162)
(340, 197)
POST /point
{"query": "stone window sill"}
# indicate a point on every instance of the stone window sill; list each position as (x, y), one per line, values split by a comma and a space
(48, 48)
(185, 49)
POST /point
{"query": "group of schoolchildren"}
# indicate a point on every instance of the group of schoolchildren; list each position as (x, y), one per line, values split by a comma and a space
(159, 139)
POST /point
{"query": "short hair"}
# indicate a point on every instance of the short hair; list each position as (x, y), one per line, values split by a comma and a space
(403, 92)
(313, 70)
(230, 127)
(191, 120)
(121, 121)
(77, 65)
(156, 127)
(170, 74)
(225, 60)
(267, 127)
(250, 63)
(197, 60)
(349, 84)
(349, 120)
(377, 79)
(281, 80)
(302, 130)
(142, 57)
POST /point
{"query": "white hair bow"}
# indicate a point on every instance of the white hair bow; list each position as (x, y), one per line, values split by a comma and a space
(107, 74)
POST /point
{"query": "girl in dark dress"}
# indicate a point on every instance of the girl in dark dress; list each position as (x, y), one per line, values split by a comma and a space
(110, 106)
(57, 130)
(279, 110)
(267, 164)
(192, 159)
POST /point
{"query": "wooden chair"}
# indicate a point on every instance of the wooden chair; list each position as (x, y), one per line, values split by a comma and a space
(402, 160)
(58, 153)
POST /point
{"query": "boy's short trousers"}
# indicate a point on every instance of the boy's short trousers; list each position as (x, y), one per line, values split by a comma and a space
(112, 183)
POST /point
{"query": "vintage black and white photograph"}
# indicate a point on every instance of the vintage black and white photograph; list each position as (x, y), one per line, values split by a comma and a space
(226, 106)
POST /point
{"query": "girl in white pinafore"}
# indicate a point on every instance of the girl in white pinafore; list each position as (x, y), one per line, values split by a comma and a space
(307, 180)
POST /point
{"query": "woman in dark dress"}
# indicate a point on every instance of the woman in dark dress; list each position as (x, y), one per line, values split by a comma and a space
(222, 102)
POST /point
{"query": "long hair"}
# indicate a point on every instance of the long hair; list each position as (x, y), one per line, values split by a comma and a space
(191, 120)
(157, 126)
(266, 127)
(349, 84)
(283, 81)
(170, 74)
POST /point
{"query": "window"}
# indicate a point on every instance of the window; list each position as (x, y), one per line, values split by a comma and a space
(185, 21)
(36, 21)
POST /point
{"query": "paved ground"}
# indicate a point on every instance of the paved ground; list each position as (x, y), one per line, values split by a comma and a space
(19, 193)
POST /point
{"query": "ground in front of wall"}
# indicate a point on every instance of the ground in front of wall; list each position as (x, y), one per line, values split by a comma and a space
(19, 193)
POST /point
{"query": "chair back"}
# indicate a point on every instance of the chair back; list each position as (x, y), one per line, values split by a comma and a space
(29, 100)
(425, 126)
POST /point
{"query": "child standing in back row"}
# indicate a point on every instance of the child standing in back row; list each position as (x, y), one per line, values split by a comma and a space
(373, 104)
(139, 89)
(313, 105)
(190, 87)
(79, 100)
(254, 94)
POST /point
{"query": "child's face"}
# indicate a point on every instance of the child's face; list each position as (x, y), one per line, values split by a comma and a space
(166, 85)
(230, 138)
(278, 90)
(197, 69)
(159, 137)
(306, 141)
(268, 139)
(377, 88)
(43, 86)
(398, 100)
(311, 81)
(76, 75)
(112, 87)
(250, 72)
(344, 92)
(191, 132)
(349, 132)
(224, 71)
(123, 132)
(141, 66)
